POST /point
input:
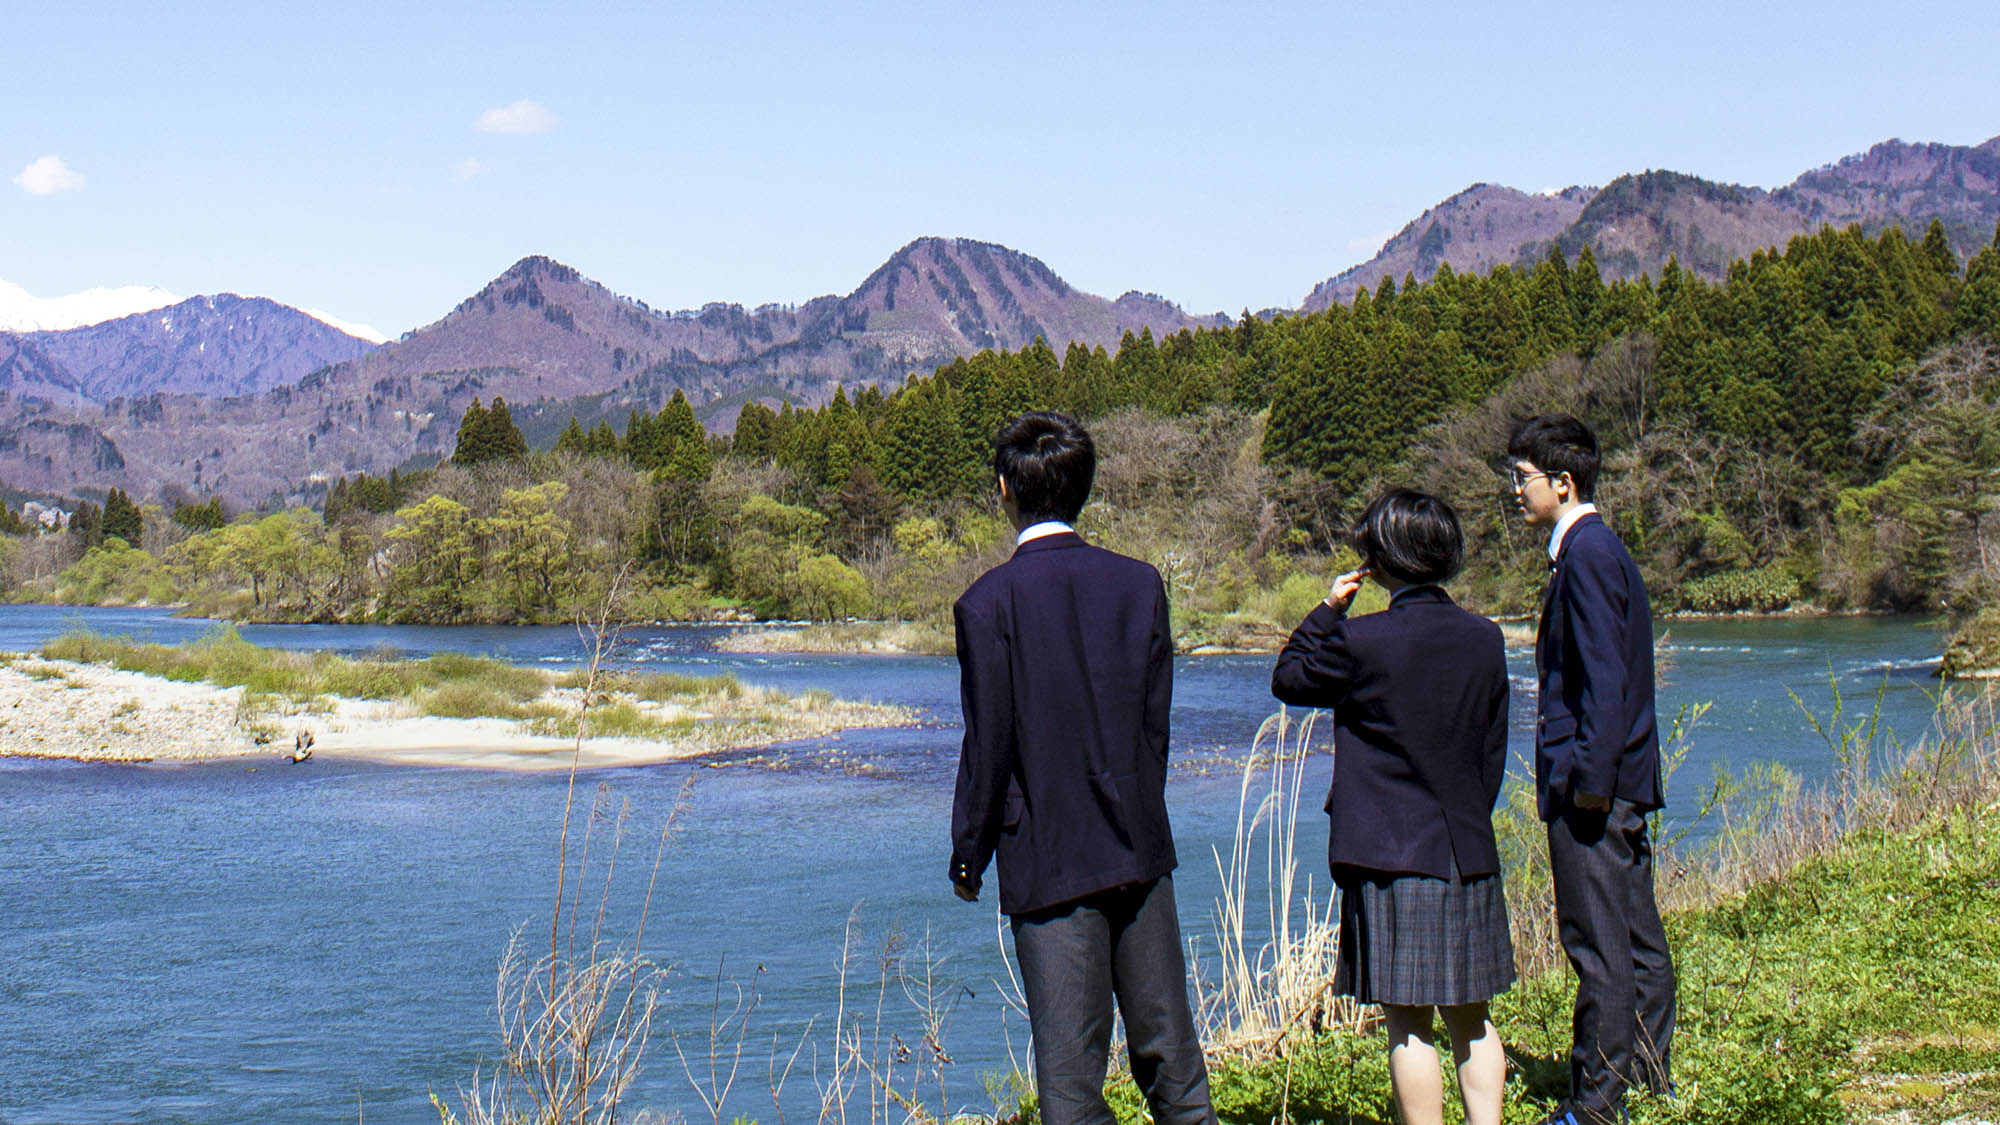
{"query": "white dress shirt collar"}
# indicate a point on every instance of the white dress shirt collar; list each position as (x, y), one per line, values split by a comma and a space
(1564, 524)
(1039, 530)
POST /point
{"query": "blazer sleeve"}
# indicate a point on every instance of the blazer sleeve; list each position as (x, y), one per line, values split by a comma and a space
(1594, 603)
(1314, 668)
(1159, 674)
(1493, 763)
(986, 759)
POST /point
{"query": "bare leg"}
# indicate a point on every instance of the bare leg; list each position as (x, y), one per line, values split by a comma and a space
(1482, 1065)
(1413, 1064)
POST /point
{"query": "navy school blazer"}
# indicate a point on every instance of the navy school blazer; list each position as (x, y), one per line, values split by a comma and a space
(1065, 663)
(1596, 733)
(1419, 699)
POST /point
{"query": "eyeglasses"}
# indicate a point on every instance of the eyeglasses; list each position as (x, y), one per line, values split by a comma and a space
(1521, 479)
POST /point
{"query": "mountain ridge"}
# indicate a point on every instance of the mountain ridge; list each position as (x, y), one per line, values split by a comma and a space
(1636, 221)
(554, 342)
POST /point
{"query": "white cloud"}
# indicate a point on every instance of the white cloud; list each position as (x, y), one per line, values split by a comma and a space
(48, 176)
(466, 169)
(522, 117)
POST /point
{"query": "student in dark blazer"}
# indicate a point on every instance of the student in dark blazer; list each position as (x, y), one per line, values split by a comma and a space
(1066, 676)
(1597, 774)
(1419, 699)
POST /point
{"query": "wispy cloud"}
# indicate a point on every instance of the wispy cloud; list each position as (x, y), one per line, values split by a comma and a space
(466, 169)
(48, 176)
(522, 117)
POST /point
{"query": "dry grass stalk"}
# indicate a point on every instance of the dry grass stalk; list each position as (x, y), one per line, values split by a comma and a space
(575, 1021)
(1879, 785)
(1273, 980)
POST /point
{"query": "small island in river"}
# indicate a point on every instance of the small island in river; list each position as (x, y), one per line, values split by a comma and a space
(95, 699)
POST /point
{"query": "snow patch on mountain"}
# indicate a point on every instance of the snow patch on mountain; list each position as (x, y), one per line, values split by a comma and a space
(22, 311)
(358, 331)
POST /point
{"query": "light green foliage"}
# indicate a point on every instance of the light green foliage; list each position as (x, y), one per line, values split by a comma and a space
(437, 559)
(295, 566)
(114, 573)
(1763, 590)
(776, 563)
(530, 557)
(825, 588)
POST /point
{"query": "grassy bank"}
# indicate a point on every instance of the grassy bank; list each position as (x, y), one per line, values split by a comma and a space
(1838, 952)
(1860, 987)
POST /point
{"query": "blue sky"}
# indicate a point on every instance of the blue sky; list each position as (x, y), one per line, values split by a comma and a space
(333, 156)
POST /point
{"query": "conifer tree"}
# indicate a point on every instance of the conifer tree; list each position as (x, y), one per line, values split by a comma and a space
(505, 436)
(688, 456)
(474, 437)
(86, 523)
(201, 517)
(122, 519)
(572, 439)
(753, 431)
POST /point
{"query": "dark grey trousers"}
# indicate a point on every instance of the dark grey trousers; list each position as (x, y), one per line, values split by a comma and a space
(1075, 958)
(1610, 927)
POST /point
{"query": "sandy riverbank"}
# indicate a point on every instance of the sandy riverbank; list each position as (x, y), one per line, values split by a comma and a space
(90, 712)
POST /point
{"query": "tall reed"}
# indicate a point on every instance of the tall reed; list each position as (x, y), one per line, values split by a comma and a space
(1274, 973)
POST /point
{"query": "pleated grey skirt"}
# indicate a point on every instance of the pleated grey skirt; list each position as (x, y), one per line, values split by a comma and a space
(1414, 939)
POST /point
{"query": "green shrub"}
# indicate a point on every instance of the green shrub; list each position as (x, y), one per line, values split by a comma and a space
(1764, 590)
(661, 686)
(516, 683)
(465, 700)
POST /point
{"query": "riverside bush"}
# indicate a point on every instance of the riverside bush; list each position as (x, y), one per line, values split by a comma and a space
(1764, 590)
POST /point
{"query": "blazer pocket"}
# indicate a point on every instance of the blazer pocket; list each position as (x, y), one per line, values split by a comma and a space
(1555, 730)
(1011, 812)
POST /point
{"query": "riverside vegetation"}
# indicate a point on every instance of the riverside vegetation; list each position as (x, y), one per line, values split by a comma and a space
(1819, 429)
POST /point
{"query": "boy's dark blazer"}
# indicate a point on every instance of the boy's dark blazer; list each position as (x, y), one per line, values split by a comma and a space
(1597, 734)
(1066, 672)
(1419, 698)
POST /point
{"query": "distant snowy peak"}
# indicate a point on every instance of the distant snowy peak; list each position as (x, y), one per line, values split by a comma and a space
(22, 311)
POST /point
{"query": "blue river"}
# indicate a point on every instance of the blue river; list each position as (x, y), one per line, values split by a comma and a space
(223, 943)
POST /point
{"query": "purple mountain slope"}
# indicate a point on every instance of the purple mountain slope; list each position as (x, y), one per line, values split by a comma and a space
(551, 341)
(1634, 223)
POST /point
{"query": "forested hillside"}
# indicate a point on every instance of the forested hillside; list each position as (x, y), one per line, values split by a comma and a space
(1820, 427)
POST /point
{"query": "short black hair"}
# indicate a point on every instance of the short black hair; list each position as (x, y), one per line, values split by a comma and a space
(1412, 537)
(1048, 462)
(1558, 443)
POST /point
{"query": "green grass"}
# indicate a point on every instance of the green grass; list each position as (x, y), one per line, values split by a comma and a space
(616, 719)
(1858, 987)
(445, 684)
(656, 687)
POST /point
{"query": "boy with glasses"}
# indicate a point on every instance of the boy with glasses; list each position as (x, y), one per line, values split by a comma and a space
(1597, 774)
